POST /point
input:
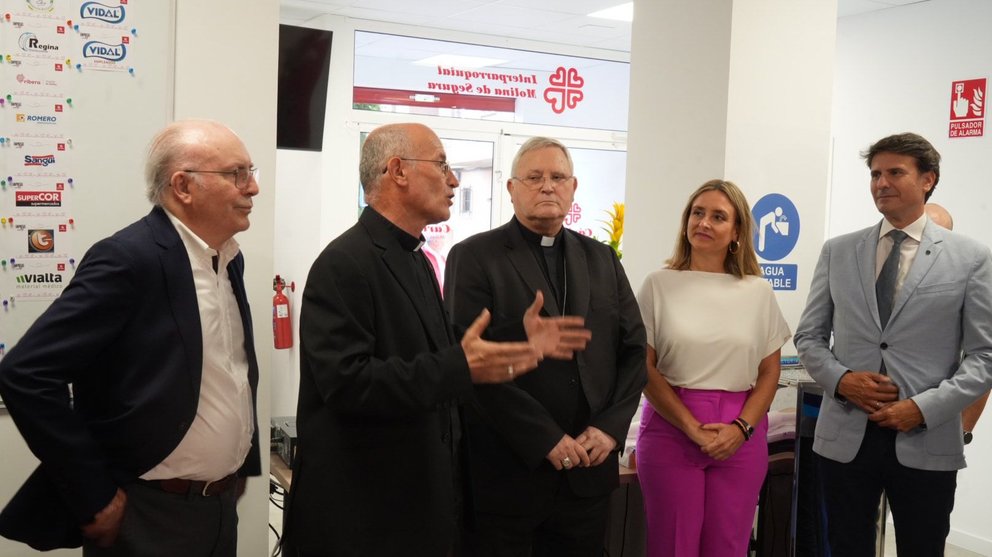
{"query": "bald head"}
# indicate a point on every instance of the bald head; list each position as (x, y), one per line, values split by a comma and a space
(178, 146)
(940, 216)
(382, 144)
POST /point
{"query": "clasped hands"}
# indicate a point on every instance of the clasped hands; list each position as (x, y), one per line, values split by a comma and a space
(551, 337)
(878, 396)
(590, 448)
(717, 440)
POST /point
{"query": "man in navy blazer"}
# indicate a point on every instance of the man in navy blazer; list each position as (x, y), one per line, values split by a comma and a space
(899, 369)
(543, 449)
(136, 388)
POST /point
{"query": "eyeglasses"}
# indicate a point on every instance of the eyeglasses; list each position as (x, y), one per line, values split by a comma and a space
(242, 175)
(445, 167)
(534, 182)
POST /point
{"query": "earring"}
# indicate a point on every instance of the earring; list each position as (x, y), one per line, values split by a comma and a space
(734, 247)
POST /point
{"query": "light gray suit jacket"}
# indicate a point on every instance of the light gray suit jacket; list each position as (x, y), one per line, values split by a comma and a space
(937, 345)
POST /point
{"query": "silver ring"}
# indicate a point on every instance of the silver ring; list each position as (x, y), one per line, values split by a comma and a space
(566, 463)
(878, 404)
(509, 370)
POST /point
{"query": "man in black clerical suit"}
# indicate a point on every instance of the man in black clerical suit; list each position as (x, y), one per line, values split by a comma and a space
(543, 449)
(378, 463)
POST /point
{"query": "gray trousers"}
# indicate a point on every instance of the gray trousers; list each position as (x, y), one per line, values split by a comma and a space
(160, 524)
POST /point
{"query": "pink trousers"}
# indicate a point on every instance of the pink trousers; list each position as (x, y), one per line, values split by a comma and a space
(695, 505)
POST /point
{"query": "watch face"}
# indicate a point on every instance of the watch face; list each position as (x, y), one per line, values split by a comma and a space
(967, 437)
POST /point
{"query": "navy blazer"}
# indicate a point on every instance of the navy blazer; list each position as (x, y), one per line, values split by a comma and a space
(125, 333)
(513, 426)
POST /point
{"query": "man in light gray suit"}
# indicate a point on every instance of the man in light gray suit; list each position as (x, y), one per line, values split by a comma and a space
(909, 352)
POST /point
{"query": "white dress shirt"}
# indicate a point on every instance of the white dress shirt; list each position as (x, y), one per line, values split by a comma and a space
(219, 438)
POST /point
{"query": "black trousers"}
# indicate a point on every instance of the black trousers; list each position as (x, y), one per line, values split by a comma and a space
(921, 500)
(561, 525)
(160, 524)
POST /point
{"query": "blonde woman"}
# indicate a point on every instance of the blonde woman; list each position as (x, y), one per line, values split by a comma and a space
(714, 333)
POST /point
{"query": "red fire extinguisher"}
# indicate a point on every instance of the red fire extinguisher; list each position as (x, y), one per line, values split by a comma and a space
(282, 324)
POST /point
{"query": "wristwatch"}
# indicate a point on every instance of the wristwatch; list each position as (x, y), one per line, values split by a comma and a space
(968, 437)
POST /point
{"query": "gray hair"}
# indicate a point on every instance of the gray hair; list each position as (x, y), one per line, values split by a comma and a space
(380, 145)
(535, 143)
(169, 151)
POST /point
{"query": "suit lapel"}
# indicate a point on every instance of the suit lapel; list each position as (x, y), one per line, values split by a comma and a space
(867, 250)
(181, 291)
(926, 256)
(523, 261)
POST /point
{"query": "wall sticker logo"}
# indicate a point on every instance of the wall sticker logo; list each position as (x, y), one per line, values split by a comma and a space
(95, 10)
(41, 5)
(112, 52)
(41, 240)
(566, 89)
(38, 198)
(29, 42)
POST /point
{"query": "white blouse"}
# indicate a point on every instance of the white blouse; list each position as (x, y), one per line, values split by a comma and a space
(711, 330)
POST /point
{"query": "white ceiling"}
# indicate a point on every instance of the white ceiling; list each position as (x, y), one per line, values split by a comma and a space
(555, 21)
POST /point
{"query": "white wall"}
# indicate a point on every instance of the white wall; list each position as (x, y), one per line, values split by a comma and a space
(733, 90)
(894, 73)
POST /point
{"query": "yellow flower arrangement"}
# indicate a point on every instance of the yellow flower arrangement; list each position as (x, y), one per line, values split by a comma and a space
(614, 227)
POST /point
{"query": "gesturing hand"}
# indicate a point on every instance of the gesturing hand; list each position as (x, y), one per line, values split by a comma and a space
(555, 337)
(495, 362)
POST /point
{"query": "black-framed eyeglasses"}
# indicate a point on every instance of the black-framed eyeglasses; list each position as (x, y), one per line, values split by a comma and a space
(445, 167)
(535, 182)
(242, 176)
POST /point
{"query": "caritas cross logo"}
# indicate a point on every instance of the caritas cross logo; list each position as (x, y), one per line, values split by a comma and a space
(566, 89)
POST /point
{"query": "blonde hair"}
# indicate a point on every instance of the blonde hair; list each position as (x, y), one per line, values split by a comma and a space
(744, 261)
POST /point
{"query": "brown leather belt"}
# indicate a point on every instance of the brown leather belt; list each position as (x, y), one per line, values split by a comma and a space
(180, 486)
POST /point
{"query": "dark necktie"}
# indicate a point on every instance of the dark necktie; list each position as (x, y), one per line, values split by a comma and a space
(885, 284)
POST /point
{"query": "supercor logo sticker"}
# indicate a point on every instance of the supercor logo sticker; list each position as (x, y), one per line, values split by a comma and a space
(38, 198)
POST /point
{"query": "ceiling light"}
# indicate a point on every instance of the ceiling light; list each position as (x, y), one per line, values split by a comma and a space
(623, 12)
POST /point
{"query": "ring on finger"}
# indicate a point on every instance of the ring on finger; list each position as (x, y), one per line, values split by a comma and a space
(509, 370)
(566, 463)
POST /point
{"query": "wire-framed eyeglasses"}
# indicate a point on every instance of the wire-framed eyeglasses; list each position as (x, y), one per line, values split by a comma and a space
(445, 167)
(536, 181)
(242, 176)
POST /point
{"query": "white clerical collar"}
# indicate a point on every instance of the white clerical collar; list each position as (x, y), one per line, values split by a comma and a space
(547, 241)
